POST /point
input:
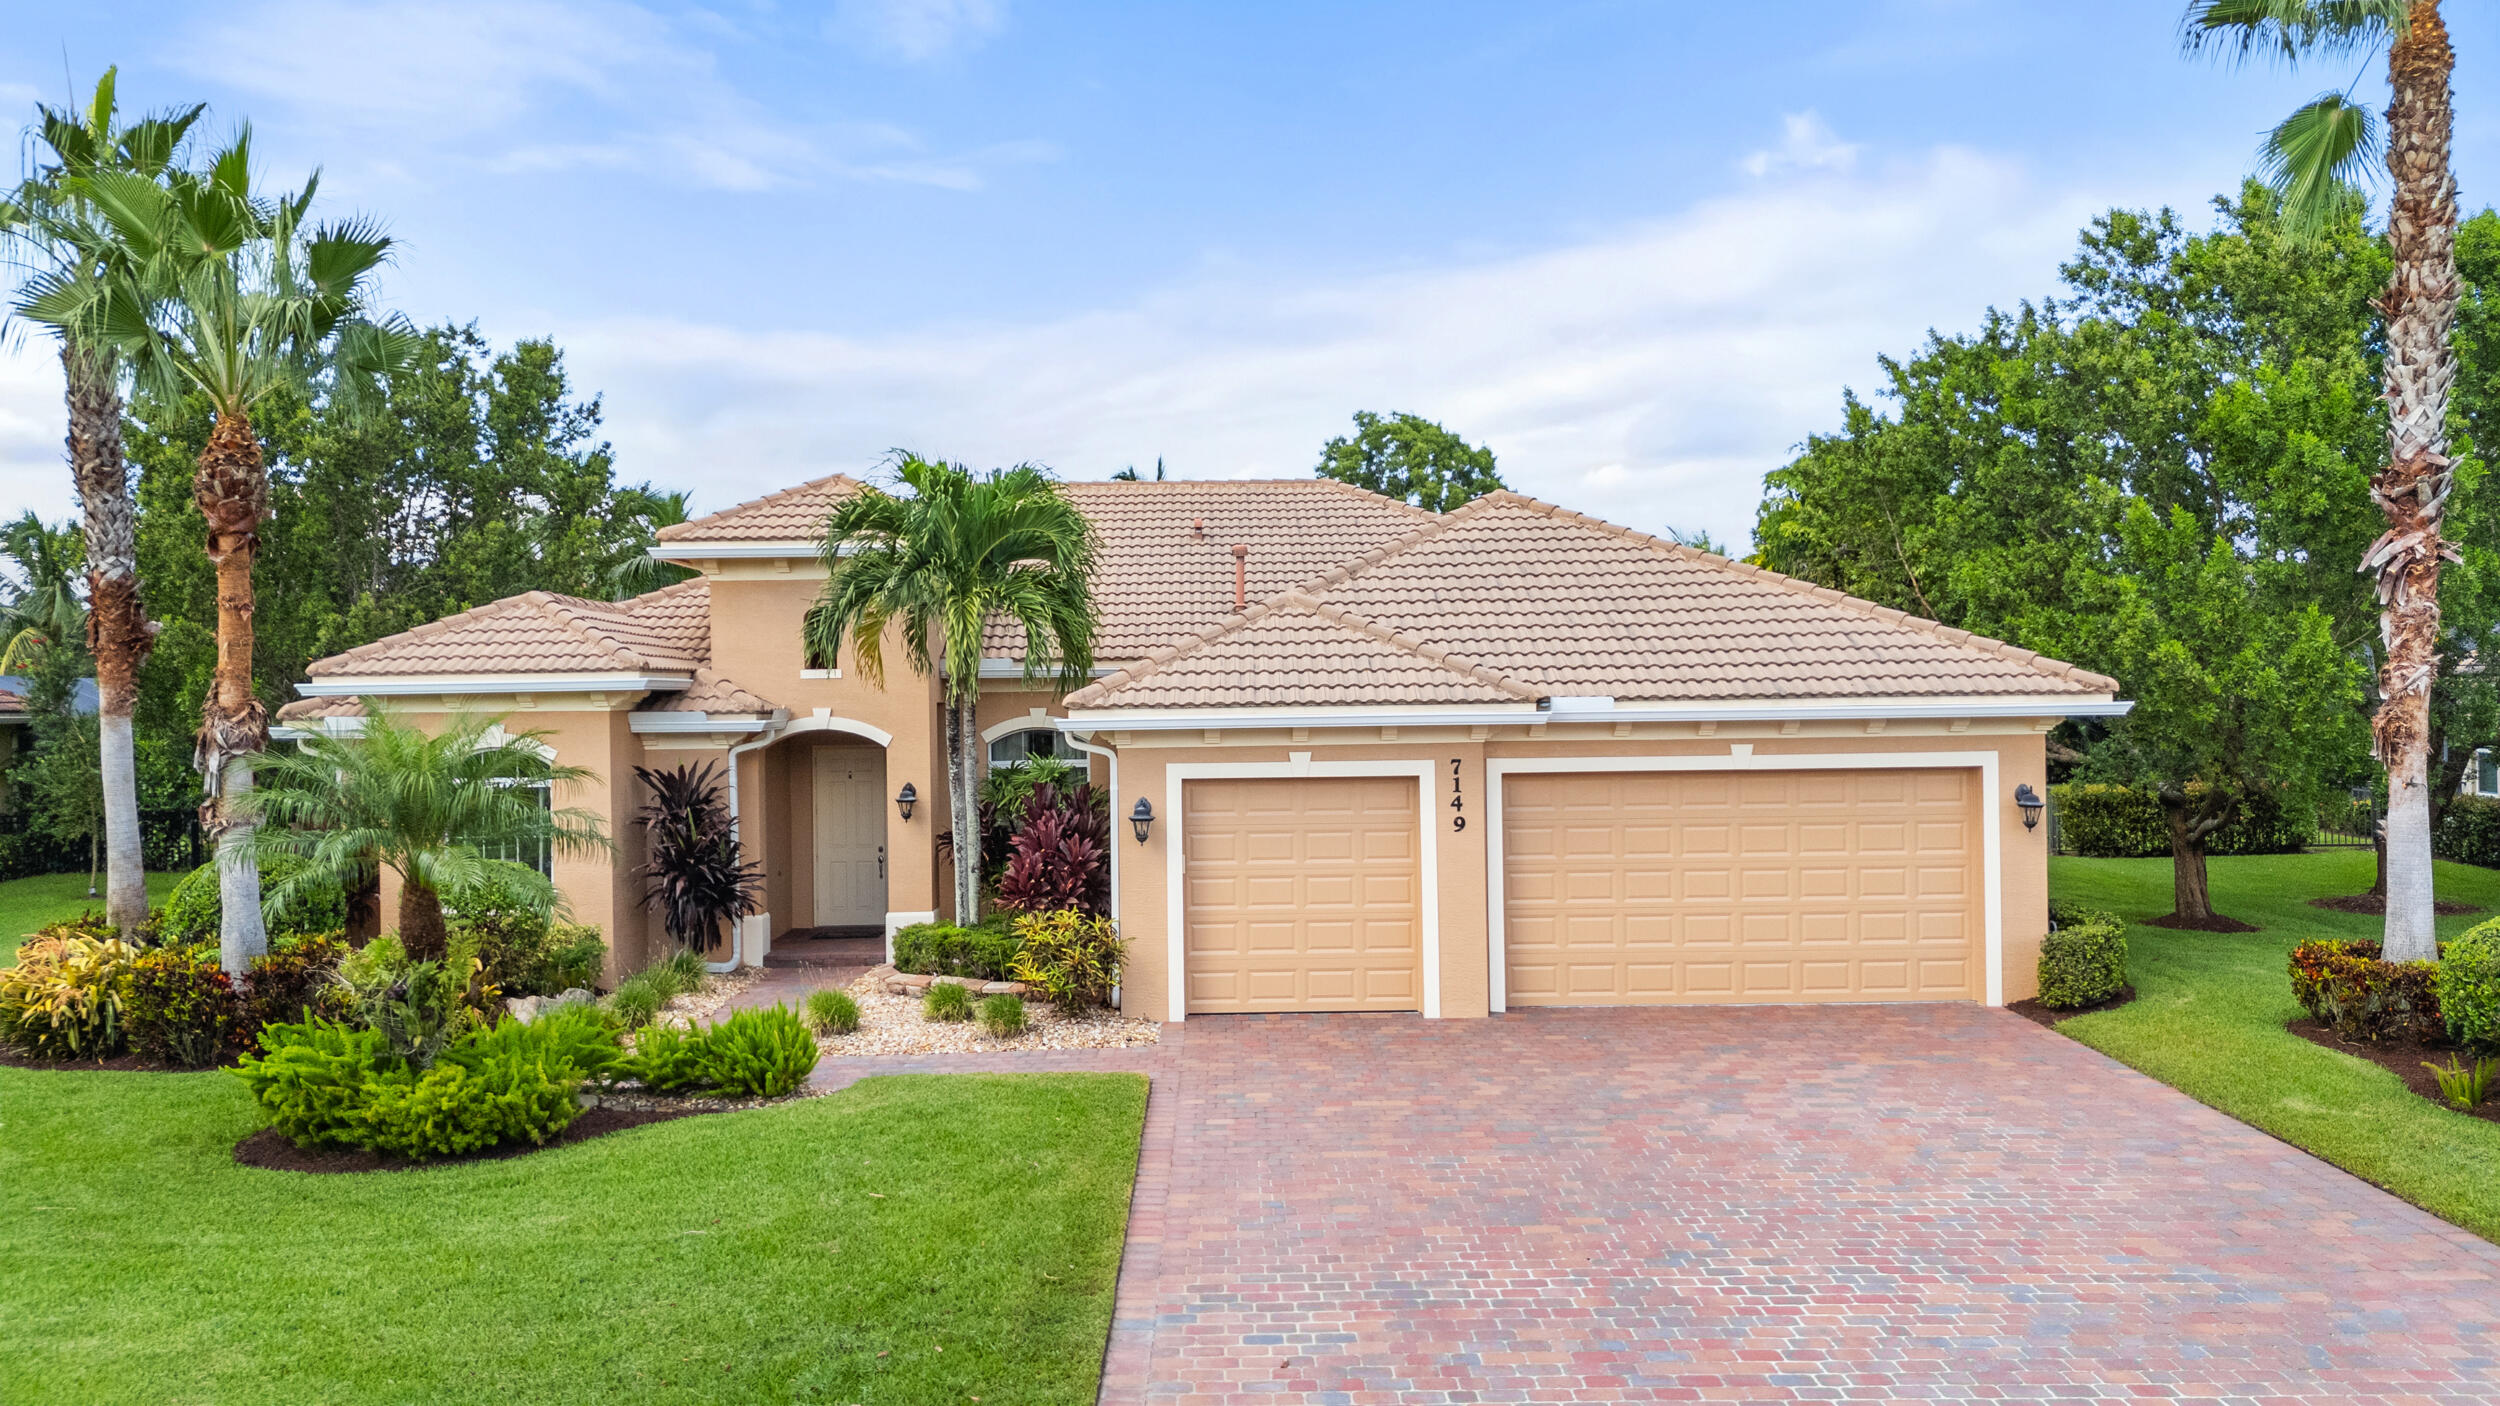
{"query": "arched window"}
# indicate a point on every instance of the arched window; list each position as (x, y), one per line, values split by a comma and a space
(1017, 748)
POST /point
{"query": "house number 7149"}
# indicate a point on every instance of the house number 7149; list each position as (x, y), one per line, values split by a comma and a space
(1458, 799)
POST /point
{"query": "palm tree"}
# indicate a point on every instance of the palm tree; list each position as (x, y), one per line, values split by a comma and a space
(961, 551)
(44, 607)
(430, 807)
(645, 510)
(65, 242)
(2313, 160)
(236, 298)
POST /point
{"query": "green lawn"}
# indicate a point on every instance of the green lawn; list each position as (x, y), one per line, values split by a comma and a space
(27, 904)
(916, 1238)
(2209, 1011)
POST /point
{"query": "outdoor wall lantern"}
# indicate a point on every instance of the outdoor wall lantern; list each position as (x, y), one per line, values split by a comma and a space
(1142, 818)
(909, 797)
(2031, 803)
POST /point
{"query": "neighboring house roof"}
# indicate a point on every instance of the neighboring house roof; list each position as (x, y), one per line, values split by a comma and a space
(666, 631)
(709, 693)
(15, 687)
(1547, 602)
(792, 515)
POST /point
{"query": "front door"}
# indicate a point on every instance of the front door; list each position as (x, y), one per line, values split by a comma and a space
(850, 838)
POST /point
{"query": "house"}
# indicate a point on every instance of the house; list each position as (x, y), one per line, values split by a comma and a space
(1377, 758)
(16, 723)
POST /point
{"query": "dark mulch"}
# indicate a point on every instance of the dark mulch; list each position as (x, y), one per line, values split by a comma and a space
(267, 1148)
(125, 1063)
(2039, 1014)
(2216, 923)
(2402, 1058)
(2375, 905)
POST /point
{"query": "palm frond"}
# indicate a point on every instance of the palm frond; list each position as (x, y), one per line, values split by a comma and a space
(2317, 160)
(2288, 31)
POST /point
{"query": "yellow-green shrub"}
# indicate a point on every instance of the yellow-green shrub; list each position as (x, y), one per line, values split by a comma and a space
(63, 999)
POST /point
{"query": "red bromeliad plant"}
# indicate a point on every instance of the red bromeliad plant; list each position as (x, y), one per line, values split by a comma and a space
(1060, 857)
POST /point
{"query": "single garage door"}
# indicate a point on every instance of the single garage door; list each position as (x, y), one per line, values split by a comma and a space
(1648, 888)
(1302, 895)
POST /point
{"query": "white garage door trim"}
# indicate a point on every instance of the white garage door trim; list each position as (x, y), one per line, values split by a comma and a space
(1741, 757)
(1176, 851)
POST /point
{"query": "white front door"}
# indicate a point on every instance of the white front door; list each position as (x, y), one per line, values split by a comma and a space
(850, 838)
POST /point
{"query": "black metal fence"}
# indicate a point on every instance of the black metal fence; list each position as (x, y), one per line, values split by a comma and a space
(170, 840)
(2342, 824)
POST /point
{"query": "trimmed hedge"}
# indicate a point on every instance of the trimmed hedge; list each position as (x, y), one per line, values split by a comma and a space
(2083, 960)
(2122, 822)
(940, 949)
(2344, 984)
(2469, 987)
(193, 909)
(2470, 832)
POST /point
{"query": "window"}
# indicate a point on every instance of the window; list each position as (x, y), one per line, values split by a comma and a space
(538, 853)
(1017, 748)
(2486, 773)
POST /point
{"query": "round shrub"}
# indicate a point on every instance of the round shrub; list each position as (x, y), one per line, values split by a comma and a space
(757, 1053)
(1003, 1015)
(2469, 987)
(831, 1012)
(2344, 983)
(193, 909)
(63, 999)
(946, 1001)
(178, 1009)
(2083, 962)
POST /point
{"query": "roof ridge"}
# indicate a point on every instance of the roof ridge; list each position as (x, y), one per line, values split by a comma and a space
(680, 530)
(1352, 567)
(1294, 598)
(1882, 614)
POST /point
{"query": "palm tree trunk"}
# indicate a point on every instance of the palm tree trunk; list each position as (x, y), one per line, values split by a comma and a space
(421, 928)
(118, 631)
(232, 490)
(2420, 306)
(963, 777)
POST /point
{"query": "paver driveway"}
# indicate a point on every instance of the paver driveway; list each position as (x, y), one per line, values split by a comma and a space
(1929, 1202)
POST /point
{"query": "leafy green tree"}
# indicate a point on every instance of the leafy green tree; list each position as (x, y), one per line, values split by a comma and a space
(957, 552)
(2313, 160)
(74, 259)
(1410, 458)
(432, 807)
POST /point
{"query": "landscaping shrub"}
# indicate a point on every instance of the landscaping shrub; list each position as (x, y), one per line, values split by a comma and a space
(193, 908)
(2121, 822)
(831, 1012)
(418, 1007)
(640, 997)
(295, 977)
(635, 1004)
(668, 1058)
(1060, 856)
(985, 953)
(179, 1009)
(2469, 987)
(590, 1040)
(2344, 984)
(63, 999)
(310, 1080)
(2470, 832)
(945, 1000)
(525, 951)
(757, 1053)
(1073, 958)
(1003, 1015)
(2083, 961)
(2464, 1088)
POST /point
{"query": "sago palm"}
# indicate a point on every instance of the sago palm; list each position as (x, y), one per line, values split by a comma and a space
(237, 299)
(69, 252)
(957, 551)
(431, 807)
(2313, 160)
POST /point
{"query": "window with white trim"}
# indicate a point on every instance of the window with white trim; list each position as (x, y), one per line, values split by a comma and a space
(537, 853)
(1017, 748)
(2486, 773)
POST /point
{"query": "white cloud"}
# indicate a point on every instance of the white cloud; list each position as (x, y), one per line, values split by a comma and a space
(1806, 144)
(915, 31)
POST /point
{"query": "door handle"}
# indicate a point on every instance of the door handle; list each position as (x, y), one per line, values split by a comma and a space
(880, 861)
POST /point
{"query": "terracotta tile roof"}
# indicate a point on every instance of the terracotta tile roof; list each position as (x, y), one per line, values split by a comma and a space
(304, 710)
(666, 631)
(710, 693)
(792, 515)
(1295, 650)
(1564, 604)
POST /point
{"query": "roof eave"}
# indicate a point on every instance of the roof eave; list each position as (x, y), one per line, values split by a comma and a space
(1096, 719)
(394, 685)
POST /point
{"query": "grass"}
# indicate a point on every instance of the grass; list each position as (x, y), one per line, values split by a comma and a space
(27, 904)
(915, 1238)
(2209, 1012)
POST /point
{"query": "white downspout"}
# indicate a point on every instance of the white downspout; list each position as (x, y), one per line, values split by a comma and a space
(738, 942)
(1113, 757)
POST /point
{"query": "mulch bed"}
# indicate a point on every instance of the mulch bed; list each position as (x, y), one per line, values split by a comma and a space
(2216, 923)
(267, 1148)
(2375, 905)
(121, 1063)
(2402, 1058)
(2037, 1014)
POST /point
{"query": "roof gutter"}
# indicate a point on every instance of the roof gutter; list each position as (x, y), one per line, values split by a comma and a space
(393, 685)
(1090, 721)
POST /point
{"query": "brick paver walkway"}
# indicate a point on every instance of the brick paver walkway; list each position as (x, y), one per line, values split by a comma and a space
(1766, 1204)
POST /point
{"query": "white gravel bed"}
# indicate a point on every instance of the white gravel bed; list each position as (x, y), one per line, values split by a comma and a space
(893, 1025)
(717, 989)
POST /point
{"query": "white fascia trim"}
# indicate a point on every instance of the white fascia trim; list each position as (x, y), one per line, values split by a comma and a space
(1741, 757)
(697, 722)
(1175, 845)
(388, 685)
(728, 551)
(1090, 720)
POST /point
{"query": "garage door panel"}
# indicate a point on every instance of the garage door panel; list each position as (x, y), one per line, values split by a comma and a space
(1784, 886)
(1302, 894)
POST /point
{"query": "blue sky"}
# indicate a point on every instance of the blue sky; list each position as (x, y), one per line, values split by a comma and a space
(1637, 248)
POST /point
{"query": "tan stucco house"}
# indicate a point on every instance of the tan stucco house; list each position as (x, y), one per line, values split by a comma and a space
(1395, 760)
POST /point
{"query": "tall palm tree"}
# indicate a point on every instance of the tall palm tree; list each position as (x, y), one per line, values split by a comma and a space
(960, 551)
(237, 298)
(63, 239)
(43, 607)
(645, 510)
(2313, 160)
(430, 807)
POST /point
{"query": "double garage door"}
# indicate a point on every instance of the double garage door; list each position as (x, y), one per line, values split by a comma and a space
(1617, 889)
